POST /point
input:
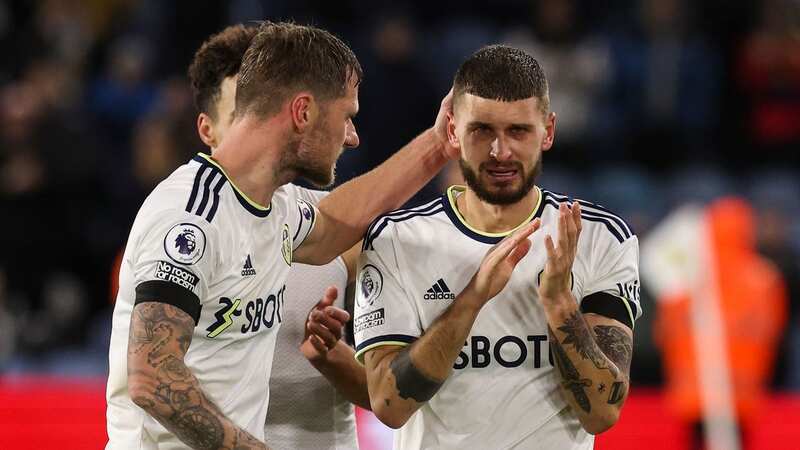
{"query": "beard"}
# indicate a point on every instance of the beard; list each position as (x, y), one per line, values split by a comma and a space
(309, 160)
(501, 196)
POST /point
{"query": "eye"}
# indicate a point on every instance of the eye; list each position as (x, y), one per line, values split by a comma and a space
(518, 131)
(481, 129)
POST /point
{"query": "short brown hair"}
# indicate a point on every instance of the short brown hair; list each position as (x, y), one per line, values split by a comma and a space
(504, 73)
(285, 58)
(218, 58)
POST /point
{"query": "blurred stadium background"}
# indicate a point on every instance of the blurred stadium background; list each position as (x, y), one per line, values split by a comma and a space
(661, 103)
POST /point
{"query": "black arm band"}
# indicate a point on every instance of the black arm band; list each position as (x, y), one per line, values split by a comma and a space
(171, 294)
(610, 306)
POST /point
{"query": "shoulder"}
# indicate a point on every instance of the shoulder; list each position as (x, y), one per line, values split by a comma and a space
(385, 226)
(193, 189)
(600, 222)
(311, 196)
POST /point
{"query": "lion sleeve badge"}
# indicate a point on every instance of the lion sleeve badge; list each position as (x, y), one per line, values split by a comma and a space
(185, 243)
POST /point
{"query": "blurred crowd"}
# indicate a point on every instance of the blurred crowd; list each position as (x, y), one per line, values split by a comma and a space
(660, 103)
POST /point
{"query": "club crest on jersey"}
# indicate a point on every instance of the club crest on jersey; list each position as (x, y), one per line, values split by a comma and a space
(286, 245)
(370, 282)
(305, 209)
(185, 243)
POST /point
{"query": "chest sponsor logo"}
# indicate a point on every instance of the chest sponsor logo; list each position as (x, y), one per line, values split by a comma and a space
(248, 270)
(368, 320)
(177, 275)
(439, 291)
(370, 285)
(259, 313)
(185, 243)
(286, 245)
(508, 351)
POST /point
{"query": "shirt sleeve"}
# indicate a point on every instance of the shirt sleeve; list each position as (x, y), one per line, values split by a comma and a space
(173, 260)
(301, 214)
(384, 312)
(613, 289)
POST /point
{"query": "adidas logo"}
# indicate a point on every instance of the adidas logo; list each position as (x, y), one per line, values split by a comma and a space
(439, 291)
(248, 270)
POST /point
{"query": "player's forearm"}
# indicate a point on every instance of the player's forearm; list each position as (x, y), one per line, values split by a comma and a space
(435, 352)
(345, 374)
(401, 381)
(591, 382)
(355, 204)
(160, 383)
(175, 399)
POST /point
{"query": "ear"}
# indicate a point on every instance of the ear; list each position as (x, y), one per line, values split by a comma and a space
(451, 131)
(550, 132)
(205, 129)
(303, 110)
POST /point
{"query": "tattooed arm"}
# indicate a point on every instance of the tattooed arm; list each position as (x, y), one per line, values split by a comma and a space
(593, 356)
(592, 352)
(401, 379)
(160, 383)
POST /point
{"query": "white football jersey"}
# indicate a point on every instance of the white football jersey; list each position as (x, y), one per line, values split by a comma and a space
(504, 390)
(305, 410)
(224, 260)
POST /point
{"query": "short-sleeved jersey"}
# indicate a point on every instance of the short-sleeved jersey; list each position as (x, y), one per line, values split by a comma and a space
(202, 245)
(305, 410)
(503, 392)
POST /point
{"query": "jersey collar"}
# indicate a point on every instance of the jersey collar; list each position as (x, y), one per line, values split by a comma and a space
(458, 220)
(248, 204)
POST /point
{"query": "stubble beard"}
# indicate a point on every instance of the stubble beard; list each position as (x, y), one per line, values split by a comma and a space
(495, 197)
(308, 161)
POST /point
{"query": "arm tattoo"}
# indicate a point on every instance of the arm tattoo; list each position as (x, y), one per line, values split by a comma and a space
(570, 377)
(616, 344)
(411, 383)
(163, 333)
(580, 337)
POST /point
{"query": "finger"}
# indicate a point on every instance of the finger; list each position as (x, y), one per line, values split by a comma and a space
(576, 216)
(337, 314)
(323, 333)
(331, 293)
(447, 101)
(563, 229)
(550, 247)
(318, 345)
(572, 229)
(519, 252)
(507, 246)
(329, 322)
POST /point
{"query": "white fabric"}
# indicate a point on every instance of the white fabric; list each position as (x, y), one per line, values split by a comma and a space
(243, 267)
(504, 391)
(305, 410)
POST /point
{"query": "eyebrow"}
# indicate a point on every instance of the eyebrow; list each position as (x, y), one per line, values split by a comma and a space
(524, 126)
(476, 124)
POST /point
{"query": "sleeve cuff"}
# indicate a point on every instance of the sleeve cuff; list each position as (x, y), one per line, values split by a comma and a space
(171, 294)
(400, 340)
(611, 306)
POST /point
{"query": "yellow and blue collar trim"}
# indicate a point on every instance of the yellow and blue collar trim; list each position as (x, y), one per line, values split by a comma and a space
(458, 220)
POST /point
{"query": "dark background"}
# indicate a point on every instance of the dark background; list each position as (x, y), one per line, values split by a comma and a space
(660, 103)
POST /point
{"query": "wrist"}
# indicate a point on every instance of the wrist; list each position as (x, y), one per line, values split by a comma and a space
(470, 299)
(558, 300)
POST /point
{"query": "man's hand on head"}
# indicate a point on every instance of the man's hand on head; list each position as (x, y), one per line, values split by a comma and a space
(443, 118)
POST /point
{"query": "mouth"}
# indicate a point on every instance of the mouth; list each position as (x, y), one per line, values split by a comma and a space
(502, 174)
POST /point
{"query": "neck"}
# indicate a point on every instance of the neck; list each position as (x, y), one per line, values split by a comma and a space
(250, 154)
(491, 218)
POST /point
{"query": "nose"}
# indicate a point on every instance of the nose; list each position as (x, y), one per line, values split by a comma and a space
(500, 150)
(351, 139)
